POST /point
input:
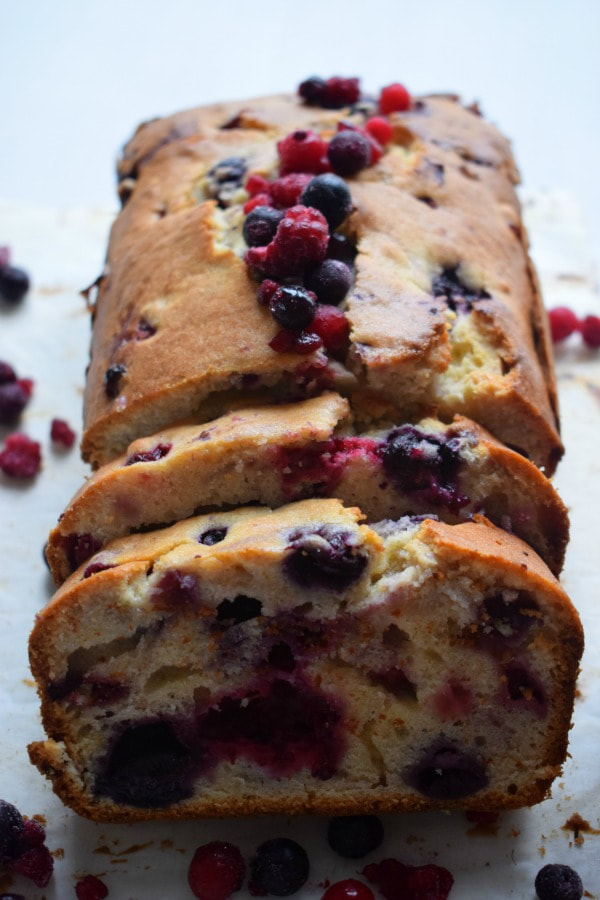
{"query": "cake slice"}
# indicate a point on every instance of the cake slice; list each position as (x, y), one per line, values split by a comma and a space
(296, 661)
(274, 454)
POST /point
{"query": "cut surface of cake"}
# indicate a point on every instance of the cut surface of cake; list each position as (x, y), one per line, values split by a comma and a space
(295, 661)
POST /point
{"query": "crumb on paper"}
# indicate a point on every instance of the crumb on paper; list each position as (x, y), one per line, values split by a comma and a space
(39, 818)
(166, 844)
(578, 826)
(59, 853)
(542, 851)
(514, 832)
(28, 682)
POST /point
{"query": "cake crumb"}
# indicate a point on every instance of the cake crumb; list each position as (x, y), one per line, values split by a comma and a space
(577, 825)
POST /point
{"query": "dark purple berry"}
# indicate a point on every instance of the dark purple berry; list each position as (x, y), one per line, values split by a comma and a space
(260, 225)
(14, 284)
(7, 373)
(292, 307)
(153, 455)
(342, 248)
(458, 296)
(558, 882)
(330, 195)
(354, 836)
(112, 380)
(313, 90)
(506, 620)
(330, 281)
(240, 609)
(446, 772)
(225, 178)
(349, 152)
(13, 400)
(326, 558)
(11, 831)
(280, 867)
(212, 536)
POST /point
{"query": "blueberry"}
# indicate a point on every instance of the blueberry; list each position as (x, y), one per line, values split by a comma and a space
(557, 882)
(240, 609)
(354, 836)
(292, 307)
(112, 380)
(458, 296)
(342, 248)
(11, 830)
(14, 283)
(330, 281)
(330, 195)
(446, 772)
(212, 536)
(260, 225)
(13, 400)
(225, 178)
(280, 867)
(349, 152)
(313, 90)
(325, 558)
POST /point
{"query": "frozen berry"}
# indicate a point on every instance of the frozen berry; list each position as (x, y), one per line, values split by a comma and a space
(260, 226)
(349, 889)
(257, 184)
(33, 835)
(590, 331)
(7, 373)
(557, 882)
(330, 195)
(354, 836)
(312, 90)
(293, 307)
(4, 256)
(332, 326)
(21, 457)
(342, 248)
(266, 290)
(61, 433)
(280, 867)
(307, 342)
(301, 151)
(379, 128)
(395, 879)
(36, 864)
(14, 283)
(254, 202)
(216, 871)
(11, 831)
(394, 98)
(112, 380)
(286, 191)
(301, 240)
(340, 92)
(91, 888)
(349, 152)
(330, 281)
(563, 323)
(14, 397)
(283, 342)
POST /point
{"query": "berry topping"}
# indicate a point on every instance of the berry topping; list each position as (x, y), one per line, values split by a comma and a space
(7, 373)
(14, 397)
(293, 307)
(558, 882)
(112, 380)
(61, 433)
(91, 888)
(334, 93)
(563, 323)
(36, 864)
(301, 151)
(590, 331)
(354, 836)
(446, 772)
(225, 178)
(212, 536)
(240, 609)
(12, 827)
(330, 281)
(301, 241)
(349, 889)
(266, 291)
(307, 342)
(394, 880)
(257, 184)
(311, 89)
(152, 455)
(286, 191)
(349, 152)
(216, 871)
(258, 200)
(260, 225)
(330, 195)
(280, 867)
(394, 98)
(326, 558)
(21, 457)
(342, 248)
(380, 129)
(14, 284)
(332, 326)
(33, 834)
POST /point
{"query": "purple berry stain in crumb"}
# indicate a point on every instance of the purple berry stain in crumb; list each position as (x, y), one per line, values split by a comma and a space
(159, 451)
(175, 589)
(280, 867)
(522, 688)
(506, 618)
(240, 609)
(79, 547)
(225, 178)
(112, 380)
(458, 296)
(446, 772)
(144, 330)
(326, 558)
(213, 536)
(558, 882)
(96, 567)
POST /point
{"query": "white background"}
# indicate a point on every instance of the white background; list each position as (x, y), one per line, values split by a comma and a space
(76, 76)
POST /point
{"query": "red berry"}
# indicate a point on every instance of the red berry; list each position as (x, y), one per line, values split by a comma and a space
(376, 148)
(33, 834)
(266, 290)
(394, 879)
(7, 373)
(91, 888)
(380, 129)
(349, 151)
(301, 151)
(255, 258)
(27, 385)
(301, 241)
(332, 326)
(21, 457)
(36, 864)
(340, 92)
(257, 184)
(257, 200)
(285, 191)
(62, 433)
(283, 342)
(394, 98)
(216, 871)
(307, 342)
(563, 322)
(4, 257)
(590, 331)
(350, 889)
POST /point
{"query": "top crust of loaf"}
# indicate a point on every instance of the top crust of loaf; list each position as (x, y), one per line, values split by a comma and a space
(172, 261)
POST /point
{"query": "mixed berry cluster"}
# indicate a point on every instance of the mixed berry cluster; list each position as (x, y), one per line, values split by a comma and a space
(14, 282)
(564, 323)
(22, 846)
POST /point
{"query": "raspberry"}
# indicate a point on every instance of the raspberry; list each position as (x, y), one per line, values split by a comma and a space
(563, 322)
(266, 290)
(14, 396)
(394, 879)
(216, 871)
(380, 129)
(349, 889)
(257, 184)
(349, 152)
(258, 200)
(590, 331)
(61, 433)
(33, 834)
(394, 98)
(557, 882)
(332, 326)
(91, 888)
(301, 240)
(301, 151)
(285, 191)
(334, 93)
(36, 864)
(21, 457)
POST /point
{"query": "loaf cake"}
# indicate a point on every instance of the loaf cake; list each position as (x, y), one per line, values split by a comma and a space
(274, 454)
(260, 661)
